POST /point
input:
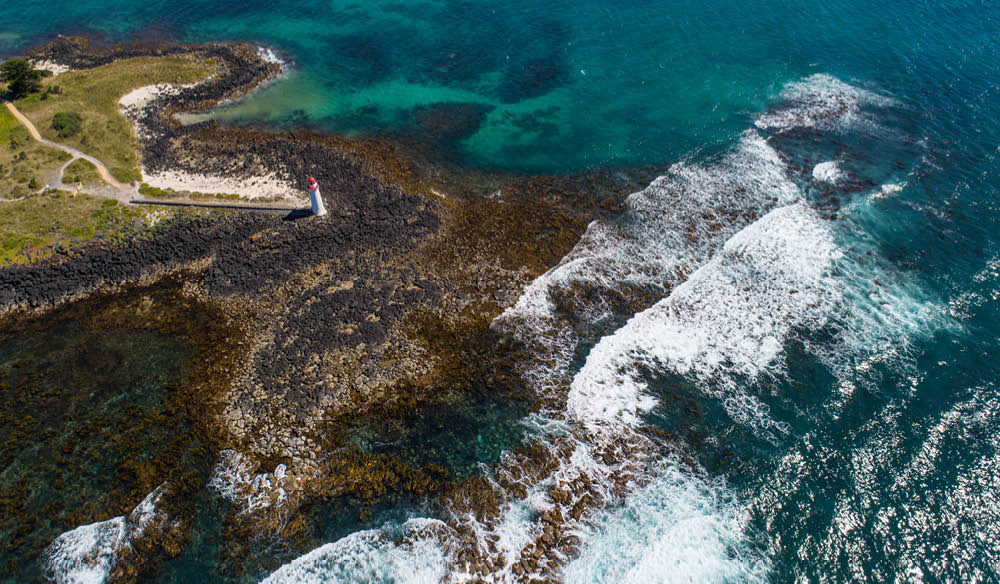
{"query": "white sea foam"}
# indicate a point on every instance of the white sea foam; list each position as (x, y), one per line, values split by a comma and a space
(828, 172)
(372, 556)
(758, 267)
(667, 230)
(87, 554)
(234, 478)
(269, 56)
(825, 103)
(723, 327)
(681, 527)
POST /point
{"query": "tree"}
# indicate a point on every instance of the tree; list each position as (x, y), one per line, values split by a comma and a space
(21, 77)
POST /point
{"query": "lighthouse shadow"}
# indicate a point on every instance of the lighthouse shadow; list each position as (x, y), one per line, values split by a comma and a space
(297, 214)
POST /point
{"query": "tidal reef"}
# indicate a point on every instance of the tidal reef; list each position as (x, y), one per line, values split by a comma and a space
(303, 337)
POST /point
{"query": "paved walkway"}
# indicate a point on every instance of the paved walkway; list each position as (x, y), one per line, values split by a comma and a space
(101, 169)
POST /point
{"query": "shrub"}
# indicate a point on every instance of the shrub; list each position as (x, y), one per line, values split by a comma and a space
(33, 183)
(66, 124)
(51, 90)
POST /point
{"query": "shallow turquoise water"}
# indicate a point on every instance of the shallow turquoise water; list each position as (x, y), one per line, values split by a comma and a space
(880, 456)
(571, 85)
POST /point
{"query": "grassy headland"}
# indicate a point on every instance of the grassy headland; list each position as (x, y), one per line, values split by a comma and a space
(94, 94)
(54, 222)
(47, 224)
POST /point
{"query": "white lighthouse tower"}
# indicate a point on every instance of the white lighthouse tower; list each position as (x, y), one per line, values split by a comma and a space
(317, 201)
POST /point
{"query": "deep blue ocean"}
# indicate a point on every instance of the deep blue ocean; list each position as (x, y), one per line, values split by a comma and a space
(826, 246)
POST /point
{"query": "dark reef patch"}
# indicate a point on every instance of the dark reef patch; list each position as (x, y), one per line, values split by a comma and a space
(532, 78)
(101, 401)
(364, 56)
(450, 121)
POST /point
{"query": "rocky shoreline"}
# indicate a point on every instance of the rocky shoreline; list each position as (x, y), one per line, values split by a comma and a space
(381, 306)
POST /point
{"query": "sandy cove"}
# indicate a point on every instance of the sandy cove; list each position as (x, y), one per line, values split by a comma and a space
(141, 103)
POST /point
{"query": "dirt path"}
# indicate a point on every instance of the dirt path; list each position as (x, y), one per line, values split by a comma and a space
(101, 169)
(126, 194)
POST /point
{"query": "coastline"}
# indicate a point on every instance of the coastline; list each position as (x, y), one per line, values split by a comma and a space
(396, 274)
(604, 293)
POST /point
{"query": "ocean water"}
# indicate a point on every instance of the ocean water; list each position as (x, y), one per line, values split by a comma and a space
(813, 396)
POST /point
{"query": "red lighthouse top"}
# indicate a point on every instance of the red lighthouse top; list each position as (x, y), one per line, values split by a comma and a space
(312, 183)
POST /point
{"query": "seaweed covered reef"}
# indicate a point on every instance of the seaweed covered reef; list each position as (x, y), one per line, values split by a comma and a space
(327, 337)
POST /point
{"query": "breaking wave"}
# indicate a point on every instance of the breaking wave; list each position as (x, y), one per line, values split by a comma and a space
(87, 554)
(708, 275)
(723, 327)
(823, 102)
(372, 556)
(681, 527)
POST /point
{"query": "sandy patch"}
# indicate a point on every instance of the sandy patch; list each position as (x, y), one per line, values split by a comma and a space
(140, 98)
(133, 105)
(256, 187)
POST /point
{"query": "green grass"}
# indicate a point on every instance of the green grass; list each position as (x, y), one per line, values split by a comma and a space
(39, 226)
(82, 172)
(7, 122)
(94, 94)
(151, 191)
(23, 159)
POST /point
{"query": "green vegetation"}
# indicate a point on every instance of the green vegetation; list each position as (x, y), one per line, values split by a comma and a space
(55, 221)
(66, 124)
(23, 160)
(51, 89)
(82, 172)
(22, 79)
(94, 93)
(151, 191)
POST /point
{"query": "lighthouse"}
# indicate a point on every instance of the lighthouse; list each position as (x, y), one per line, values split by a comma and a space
(317, 201)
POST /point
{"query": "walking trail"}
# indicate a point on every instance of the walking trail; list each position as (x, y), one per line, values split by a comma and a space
(115, 190)
(101, 169)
